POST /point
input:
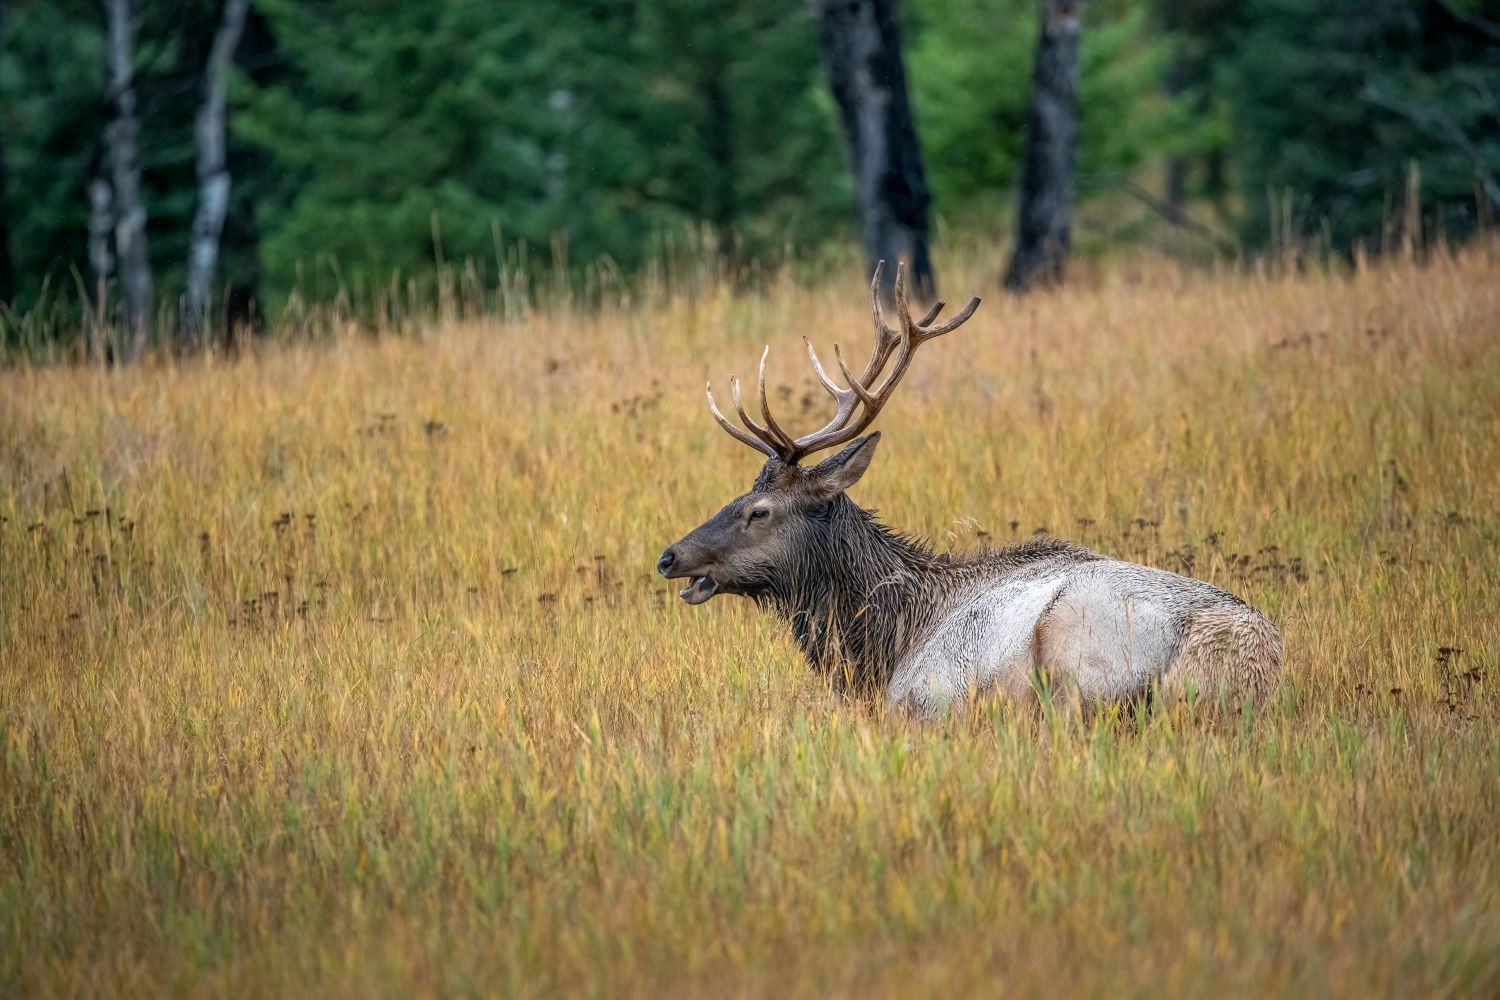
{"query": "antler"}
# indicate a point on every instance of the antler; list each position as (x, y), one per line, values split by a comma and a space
(857, 406)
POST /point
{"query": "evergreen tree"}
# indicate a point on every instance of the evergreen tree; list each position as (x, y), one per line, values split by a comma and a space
(1334, 104)
(738, 127)
(7, 277)
(972, 99)
(51, 88)
(414, 132)
(1201, 35)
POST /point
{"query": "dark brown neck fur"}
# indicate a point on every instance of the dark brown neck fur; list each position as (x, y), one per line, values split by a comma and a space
(860, 596)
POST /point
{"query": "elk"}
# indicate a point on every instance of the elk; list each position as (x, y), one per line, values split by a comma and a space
(874, 609)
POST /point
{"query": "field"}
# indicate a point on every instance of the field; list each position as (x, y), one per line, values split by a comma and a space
(340, 666)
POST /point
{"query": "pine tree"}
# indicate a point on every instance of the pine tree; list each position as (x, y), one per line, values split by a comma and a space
(7, 278)
(51, 82)
(972, 100)
(1335, 103)
(601, 128)
(737, 130)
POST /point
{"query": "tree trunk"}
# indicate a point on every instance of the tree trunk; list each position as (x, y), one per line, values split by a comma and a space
(101, 263)
(122, 137)
(1042, 232)
(861, 42)
(213, 174)
(7, 277)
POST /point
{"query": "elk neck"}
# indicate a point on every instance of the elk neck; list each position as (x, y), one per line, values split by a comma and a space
(859, 595)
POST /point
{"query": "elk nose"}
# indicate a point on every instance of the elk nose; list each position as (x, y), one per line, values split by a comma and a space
(664, 564)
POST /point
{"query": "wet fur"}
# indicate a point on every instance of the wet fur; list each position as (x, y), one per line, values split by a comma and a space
(861, 597)
(873, 609)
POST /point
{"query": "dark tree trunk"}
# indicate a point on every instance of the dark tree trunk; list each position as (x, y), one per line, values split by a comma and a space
(122, 136)
(7, 278)
(861, 42)
(1042, 232)
(213, 174)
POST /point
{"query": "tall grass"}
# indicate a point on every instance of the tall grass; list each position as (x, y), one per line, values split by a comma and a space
(341, 667)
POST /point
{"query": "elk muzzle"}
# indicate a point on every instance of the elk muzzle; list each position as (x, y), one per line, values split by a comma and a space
(678, 562)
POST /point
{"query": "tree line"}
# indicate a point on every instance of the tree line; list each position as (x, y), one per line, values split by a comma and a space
(181, 166)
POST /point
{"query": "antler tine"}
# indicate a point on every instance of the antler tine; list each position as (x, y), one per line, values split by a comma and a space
(886, 339)
(828, 383)
(848, 398)
(911, 335)
(734, 431)
(772, 440)
(948, 326)
(782, 436)
(761, 432)
(903, 310)
(864, 394)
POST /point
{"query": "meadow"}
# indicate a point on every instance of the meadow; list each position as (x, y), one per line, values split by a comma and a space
(339, 666)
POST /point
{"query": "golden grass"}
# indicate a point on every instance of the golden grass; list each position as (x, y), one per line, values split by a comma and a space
(342, 667)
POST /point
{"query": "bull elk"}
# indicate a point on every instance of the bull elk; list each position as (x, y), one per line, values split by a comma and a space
(877, 609)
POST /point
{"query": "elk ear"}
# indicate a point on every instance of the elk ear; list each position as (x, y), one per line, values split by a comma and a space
(833, 476)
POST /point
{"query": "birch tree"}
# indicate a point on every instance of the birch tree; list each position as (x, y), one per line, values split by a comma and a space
(122, 139)
(101, 260)
(213, 173)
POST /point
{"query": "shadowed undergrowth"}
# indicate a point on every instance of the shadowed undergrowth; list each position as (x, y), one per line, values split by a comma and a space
(342, 666)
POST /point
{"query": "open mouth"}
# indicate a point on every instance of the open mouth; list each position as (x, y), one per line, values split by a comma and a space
(699, 589)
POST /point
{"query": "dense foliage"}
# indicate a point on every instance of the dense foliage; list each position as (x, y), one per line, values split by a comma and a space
(1334, 114)
(370, 142)
(972, 99)
(590, 130)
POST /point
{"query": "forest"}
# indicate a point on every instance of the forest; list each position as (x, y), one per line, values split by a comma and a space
(174, 165)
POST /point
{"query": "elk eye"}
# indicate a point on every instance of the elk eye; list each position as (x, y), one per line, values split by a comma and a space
(759, 513)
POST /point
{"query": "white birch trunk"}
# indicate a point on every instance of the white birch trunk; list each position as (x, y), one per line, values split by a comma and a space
(122, 138)
(213, 174)
(101, 261)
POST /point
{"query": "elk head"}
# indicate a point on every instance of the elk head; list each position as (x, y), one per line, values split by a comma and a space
(756, 542)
